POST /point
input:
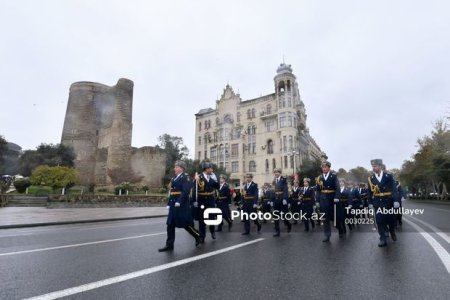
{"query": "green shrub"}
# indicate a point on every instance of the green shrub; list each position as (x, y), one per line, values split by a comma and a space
(124, 186)
(91, 187)
(21, 185)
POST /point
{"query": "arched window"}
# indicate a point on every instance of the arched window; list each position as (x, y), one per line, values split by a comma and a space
(281, 87)
(274, 164)
(252, 166)
(269, 147)
(249, 113)
(199, 126)
(253, 112)
(267, 165)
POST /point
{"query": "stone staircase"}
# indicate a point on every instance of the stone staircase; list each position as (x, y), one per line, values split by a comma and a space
(27, 201)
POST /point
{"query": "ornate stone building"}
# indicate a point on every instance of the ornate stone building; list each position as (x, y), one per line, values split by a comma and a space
(257, 135)
(98, 125)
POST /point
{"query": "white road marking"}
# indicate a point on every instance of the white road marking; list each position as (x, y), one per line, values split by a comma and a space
(440, 251)
(132, 275)
(435, 229)
(82, 244)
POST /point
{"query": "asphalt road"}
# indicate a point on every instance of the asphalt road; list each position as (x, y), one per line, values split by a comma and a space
(119, 260)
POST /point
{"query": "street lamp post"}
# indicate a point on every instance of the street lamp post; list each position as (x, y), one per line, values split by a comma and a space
(293, 157)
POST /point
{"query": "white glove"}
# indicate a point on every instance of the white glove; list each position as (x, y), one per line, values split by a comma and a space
(298, 202)
(255, 205)
(177, 204)
(317, 205)
(271, 203)
(336, 200)
(214, 177)
(403, 199)
(197, 177)
(168, 207)
(284, 202)
(349, 206)
(396, 204)
(314, 207)
(370, 206)
(195, 204)
(361, 206)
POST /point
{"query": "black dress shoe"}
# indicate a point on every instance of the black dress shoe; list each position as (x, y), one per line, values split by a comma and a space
(213, 235)
(245, 233)
(276, 234)
(393, 236)
(382, 244)
(166, 248)
(230, 225)
(197, 242)
(289, 228)
(218, 229)
(306, 229)
(326, 239)
(202, 240)
(259, 227)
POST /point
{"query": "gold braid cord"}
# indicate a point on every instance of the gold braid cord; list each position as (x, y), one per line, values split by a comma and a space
(201, 185)
(319, 182)
(374, 188)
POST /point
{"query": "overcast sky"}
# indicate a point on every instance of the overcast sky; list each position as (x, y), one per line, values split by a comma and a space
(373, 76)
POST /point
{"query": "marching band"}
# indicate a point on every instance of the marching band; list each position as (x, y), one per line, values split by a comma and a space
(330, 201)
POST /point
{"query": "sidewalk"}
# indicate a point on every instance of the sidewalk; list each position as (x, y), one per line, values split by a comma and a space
(16, 217)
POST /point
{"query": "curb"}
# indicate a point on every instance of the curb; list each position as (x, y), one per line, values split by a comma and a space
(425, 201)
(77, 222)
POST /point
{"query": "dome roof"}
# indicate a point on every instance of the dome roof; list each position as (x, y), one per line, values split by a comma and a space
(284, 68)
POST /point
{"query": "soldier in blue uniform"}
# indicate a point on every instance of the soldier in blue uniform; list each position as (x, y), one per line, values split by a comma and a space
(179, 208)
(280, 200)
(205, 196)
(307, 203)
(341, 212)
(356, 200)
(362, 190)
(294, 200)
(224, 202)
(328, 192)
(401, 197)
(266, 199)
(382, 195)
(250, 202)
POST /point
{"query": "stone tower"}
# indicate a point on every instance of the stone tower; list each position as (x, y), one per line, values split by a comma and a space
(98, 125)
